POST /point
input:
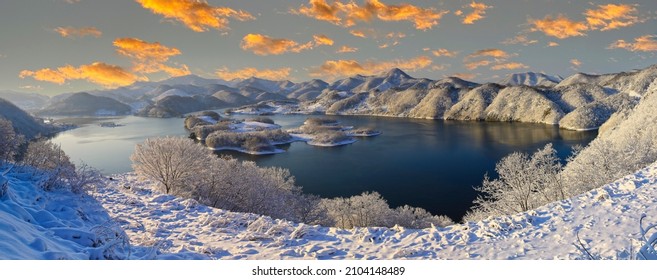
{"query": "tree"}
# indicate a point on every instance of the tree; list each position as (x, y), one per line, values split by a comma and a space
(10, 141)
(51, 163)
(174, 162)
(525, 182)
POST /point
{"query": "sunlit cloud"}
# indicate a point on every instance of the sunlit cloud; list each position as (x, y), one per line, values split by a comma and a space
(264, 45)
(509, 66)
(440, 67)
(196, 15)
(322, 40)
(576, 63)
(332, 69)
(248, 72)
(476, 64)
(348, 14)
(478, 12)
(612, 16)
(72, 32)
(553, 44)
(646, 43)
(358, 33)
(495, 53)
(560, 27)
(98, 73)
(519, 40)
(393, 35)
(444, 52)
(347, 49)
(149, 57)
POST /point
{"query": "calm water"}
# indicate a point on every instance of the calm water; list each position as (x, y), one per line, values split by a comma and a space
(424, 163)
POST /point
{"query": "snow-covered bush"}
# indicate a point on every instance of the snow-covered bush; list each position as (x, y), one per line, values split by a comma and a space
(51, 164)
(331, 137)
(525, 182)
(174, 162)
(10, 141)
(370, 209)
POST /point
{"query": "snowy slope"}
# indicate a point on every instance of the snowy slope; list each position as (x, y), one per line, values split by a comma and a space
(606, 220)
(531, 79)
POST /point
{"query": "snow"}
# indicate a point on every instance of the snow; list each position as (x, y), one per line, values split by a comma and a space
(605, 219)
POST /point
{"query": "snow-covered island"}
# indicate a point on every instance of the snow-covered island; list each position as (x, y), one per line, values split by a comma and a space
(261, 136)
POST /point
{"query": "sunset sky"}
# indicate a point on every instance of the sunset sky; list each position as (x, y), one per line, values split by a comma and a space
(57, 46)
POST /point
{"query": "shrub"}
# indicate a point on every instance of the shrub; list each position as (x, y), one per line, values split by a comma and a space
(53, 165)
(10, 141)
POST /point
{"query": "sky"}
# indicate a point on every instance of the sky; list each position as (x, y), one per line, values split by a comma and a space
(58, 46)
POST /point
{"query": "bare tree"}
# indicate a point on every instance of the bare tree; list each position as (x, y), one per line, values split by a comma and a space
(10, 141)
(172, 161)
(51, 163)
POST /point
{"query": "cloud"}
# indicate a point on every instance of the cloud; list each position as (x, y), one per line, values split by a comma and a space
(322, 40)
(248, 72)
(72, 32)
(495, 53)
(149, 57)
(465, 76)
(97, 73)
(358, 33)
(612, 16)
(576, 63)
(509, 66)
(553, 44)
(479, 10)
(440, 67)
(393, 35)
(646, 43)
(444, 52)
(347, 49)
(264, 45)
(519, 40)
(476, 64)
(342, 68)
(560, 27)
(348, 14)
(196, 15)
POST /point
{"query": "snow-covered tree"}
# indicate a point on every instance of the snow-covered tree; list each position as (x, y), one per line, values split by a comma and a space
(174, 162)
(525, 182)
(51, 163)
(10, 141)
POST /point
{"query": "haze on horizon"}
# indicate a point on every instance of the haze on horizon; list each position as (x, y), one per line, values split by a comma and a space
(61, 46)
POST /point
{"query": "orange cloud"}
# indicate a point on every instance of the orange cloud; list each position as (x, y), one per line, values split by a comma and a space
(509, 66)
(342, 68)
(245, 73)
(495, 53)
(560, 27)
(149, 57)
(553, 44)
(444, 52)
(358, 33)
(264, 45)
(322, 40)
(479, 10)
(612, 16)
(71, 32)
(465, 76)
(576, 63)
(347, 49)
(520, 39)
(196, 15)
(347, 14)
(476, 64)
(646, 43)
(97, 73)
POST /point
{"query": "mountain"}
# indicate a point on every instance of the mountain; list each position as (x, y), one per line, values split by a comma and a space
(531, 79)
(23, 122)
(24, 100)
(176, 106)
(85, 104)
(307, 90)
(265, 85)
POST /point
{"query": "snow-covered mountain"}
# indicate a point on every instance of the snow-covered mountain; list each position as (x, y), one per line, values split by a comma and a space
(23, 122)
(25, 100)
(531, 79)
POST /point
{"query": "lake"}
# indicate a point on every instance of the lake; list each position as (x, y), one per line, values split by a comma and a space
(431, 164)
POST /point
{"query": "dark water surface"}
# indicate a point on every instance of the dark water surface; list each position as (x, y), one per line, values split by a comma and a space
(424, 163)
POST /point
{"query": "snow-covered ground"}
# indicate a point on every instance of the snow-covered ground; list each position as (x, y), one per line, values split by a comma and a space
(61, 225)
(606, 220)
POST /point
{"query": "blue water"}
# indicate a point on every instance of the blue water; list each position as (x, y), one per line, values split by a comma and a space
(423, 163)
